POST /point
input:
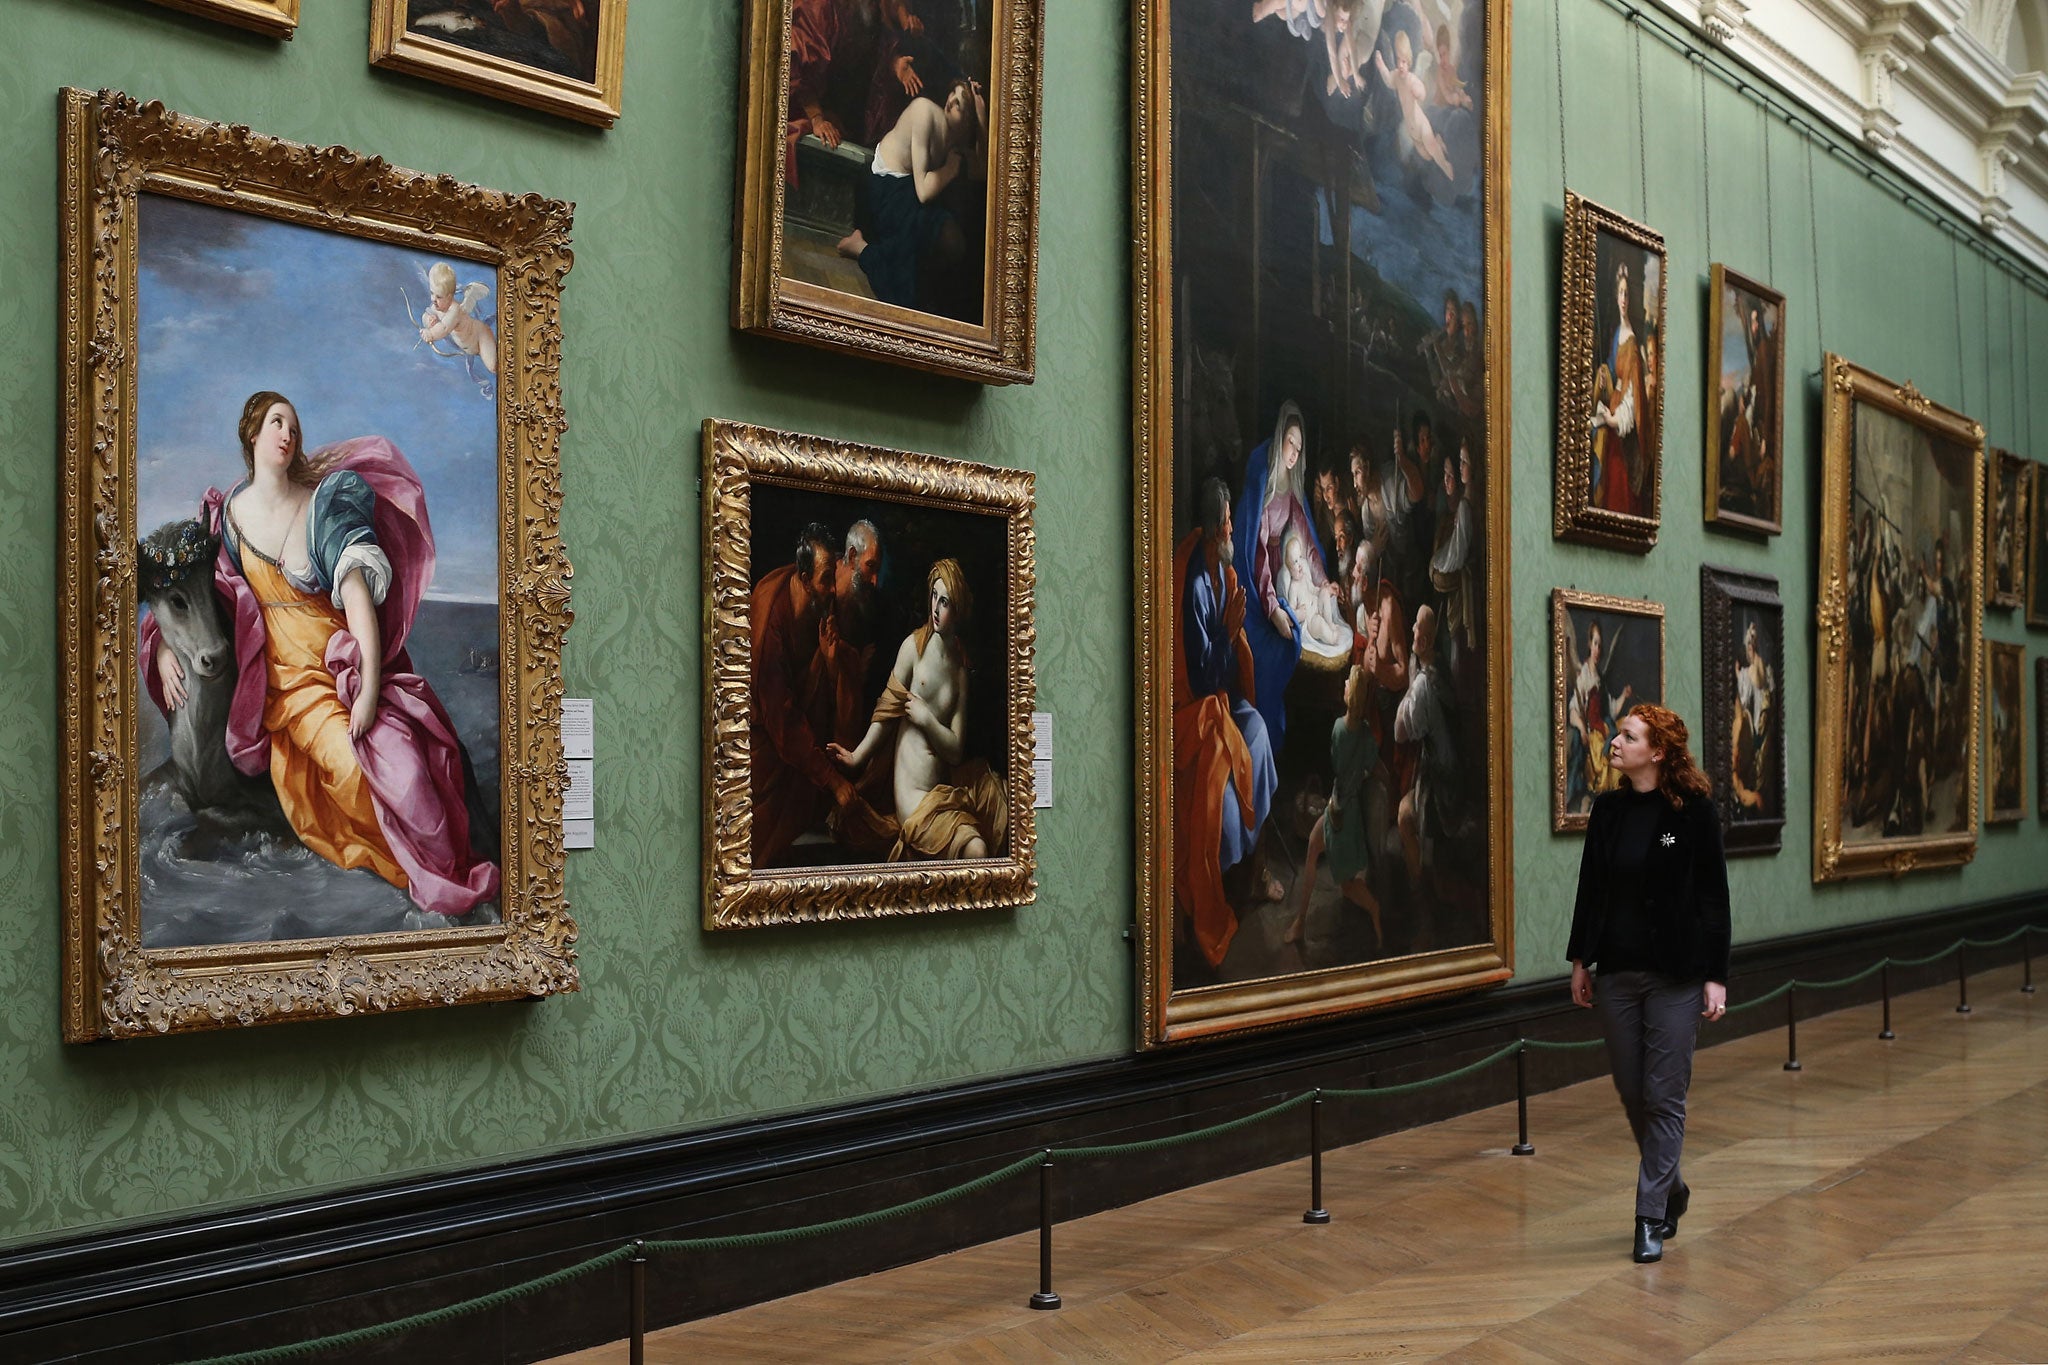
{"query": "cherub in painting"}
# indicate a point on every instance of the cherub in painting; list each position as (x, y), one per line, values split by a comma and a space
(1409, 88)
(456, 317)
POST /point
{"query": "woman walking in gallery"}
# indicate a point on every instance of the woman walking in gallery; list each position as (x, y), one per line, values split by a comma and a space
(1652, 914)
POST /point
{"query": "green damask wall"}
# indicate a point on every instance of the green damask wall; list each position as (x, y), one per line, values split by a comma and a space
(675, 1029)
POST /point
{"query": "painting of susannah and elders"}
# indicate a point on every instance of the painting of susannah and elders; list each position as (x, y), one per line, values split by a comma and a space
(290, 499)
(1902, 521)
(890, 146)
(886, 676)
(1326, 622)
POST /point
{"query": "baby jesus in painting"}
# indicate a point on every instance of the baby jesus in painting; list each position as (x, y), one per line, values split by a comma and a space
(1315, 606)
(1408, 86)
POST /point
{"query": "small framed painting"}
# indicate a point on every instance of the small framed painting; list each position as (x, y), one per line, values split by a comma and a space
(1742, 654)
(1610, 383)
(1746, 408)
(2007, 504)
(2005, 748)
(1607, 655)
(869, 675)
(567, 57)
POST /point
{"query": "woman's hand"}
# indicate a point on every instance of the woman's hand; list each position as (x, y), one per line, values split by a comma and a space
(1582, 986)
(362, 715)
(171, 674)
(1713, 1000)
(917, 711)
(841, 755)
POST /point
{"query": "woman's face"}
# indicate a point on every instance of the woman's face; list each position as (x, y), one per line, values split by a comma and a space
(1630, 751)
(1593, 645)
(277, 440)
(1290, 449)
(942, 609)
(1621, 294)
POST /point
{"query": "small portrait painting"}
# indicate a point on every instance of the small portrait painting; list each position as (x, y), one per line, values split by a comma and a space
(1742, 647)
(1895, 785)
(2034, 527)
(2041, 738)
(1745, 410)
(889, 148)
(2004, 736)
(1611, 385)
(1607, 658)
(2008, 504)
(871, 716)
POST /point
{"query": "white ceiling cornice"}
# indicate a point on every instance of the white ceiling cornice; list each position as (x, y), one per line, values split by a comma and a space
(1920, 84)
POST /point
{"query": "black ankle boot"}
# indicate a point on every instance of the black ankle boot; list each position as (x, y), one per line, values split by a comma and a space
(1675, 1207)
(1649, 1240)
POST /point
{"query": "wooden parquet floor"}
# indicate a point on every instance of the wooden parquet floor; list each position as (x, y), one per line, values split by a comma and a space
(1890, 1200)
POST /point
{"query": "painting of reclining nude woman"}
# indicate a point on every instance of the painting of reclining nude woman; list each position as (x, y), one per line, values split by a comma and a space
(874, 193)
(319, 636)
(1322, 473)
(886, 681)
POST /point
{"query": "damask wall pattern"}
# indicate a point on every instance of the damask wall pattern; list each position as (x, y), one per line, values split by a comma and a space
(675, 1029)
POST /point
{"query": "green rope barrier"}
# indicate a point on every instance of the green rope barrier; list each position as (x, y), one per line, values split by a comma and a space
(1406, 1087)
(1923, 961)
(1872, 970)
(1763, 999)
(1995, 942)
(381, 1330)
(1545, 1045)
(735, 1240)
(1178, 1139)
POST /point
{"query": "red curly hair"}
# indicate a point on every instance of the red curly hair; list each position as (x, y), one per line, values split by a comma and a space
(1677, 776)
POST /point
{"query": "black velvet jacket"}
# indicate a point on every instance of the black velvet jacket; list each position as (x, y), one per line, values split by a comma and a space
(1685, 888)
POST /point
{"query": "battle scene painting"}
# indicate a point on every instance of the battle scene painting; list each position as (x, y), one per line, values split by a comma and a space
(317, 485)
(1902, 528)
(1745, 413)
(1330, 627)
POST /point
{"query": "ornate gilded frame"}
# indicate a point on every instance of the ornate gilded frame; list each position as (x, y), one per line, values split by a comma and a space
(1993, 650)
(737, 457)
(395, 47)
(1722, 279)
(998, 350)
(1562, 603)
(1167, 1016)
(1847, 385)
(1721, 589)
(113, 149)
(1573, 515)
(2000, 465)
(273, 18)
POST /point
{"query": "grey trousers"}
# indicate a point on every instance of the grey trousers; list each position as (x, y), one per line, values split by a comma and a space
(1651, 1024)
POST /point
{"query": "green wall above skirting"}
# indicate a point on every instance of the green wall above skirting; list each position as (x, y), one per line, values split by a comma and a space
(675, 1029)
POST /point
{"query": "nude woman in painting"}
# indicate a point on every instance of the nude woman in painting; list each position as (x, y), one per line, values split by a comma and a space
(947, 806)
(322, 563)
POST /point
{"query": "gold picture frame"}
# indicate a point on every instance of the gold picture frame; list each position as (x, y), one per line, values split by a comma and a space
(1897, 723)
(1442, 922)
(777, 850)
(2008, 502)
(2005, 730)
(798, 191)
(463, 55)
(273, 18)
(2036, 527)
(1592, 687)
(125, 162)
(1609, 480)
(1745, 461)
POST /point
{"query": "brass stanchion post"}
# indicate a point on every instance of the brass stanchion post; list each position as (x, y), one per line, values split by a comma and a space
(1316, 1212)
(1045, 1298)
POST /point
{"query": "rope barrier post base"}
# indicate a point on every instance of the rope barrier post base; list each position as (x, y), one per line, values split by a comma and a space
(2027, 960)
(636, 1305)
(1316, 1213)
(1522, 1147)
(1962, 982)
(1045, 1298)
(1884, 981)
(1792, 1028)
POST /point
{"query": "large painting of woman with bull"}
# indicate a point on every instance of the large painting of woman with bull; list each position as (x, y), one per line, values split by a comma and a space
(318, 657)
(1902, 518)
(1322, 487)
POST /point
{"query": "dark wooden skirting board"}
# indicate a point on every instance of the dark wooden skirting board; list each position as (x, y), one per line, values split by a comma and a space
(219, 1281)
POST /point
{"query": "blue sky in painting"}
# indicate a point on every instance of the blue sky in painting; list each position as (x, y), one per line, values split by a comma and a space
(1734, 350)
(230, 303)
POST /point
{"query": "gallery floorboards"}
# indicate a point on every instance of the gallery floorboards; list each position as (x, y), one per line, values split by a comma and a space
(1888, 1200)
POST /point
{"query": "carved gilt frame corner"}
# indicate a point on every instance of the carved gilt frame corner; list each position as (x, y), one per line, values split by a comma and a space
(1001, 349)
(113, 149)
(737, 457)
(272, 18)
